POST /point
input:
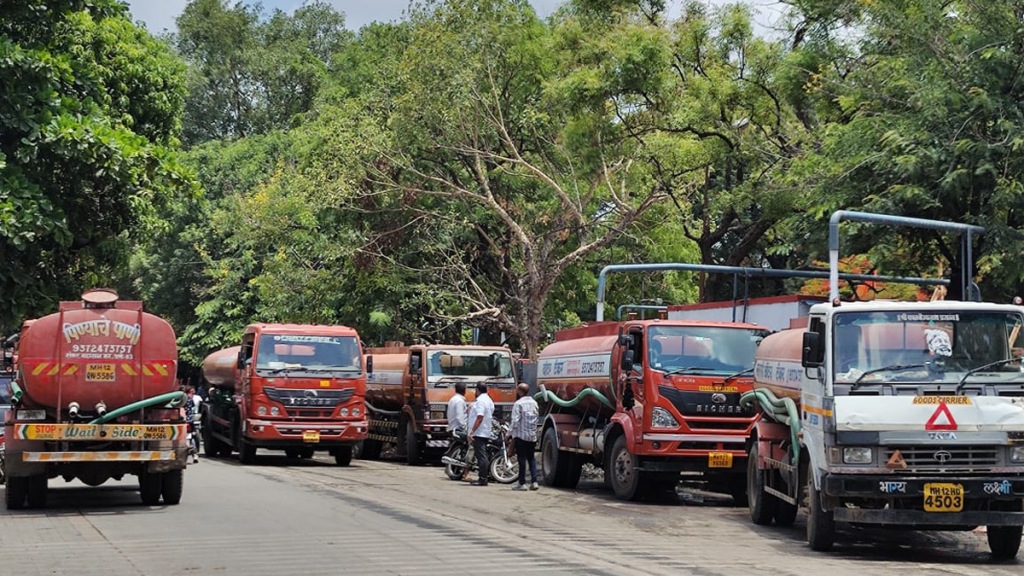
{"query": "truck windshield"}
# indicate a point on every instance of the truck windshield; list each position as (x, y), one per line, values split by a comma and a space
(293, 352)
(874, 347)
(702, 349)
(445, 367)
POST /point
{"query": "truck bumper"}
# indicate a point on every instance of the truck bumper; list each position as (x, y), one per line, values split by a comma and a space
(324, 435)
(988, 501)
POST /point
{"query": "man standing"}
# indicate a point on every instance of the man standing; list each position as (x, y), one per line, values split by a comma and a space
(480, 417)
(457, 417)
(524, 432)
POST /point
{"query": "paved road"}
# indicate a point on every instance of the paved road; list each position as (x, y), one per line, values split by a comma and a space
(309, 517)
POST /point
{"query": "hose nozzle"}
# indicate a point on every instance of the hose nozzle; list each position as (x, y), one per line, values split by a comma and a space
(101, 408)
(73, 410)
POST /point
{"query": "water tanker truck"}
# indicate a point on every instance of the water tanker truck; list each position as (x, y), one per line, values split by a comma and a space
(648, 400)
(95, 398)
(294, 387)
(897, 414)
(407, 394)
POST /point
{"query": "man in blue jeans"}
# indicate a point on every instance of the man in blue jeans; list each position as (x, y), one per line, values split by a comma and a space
(524, 431)
(480, 429)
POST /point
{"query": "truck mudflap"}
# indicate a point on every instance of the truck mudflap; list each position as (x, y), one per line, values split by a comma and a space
(929, 501)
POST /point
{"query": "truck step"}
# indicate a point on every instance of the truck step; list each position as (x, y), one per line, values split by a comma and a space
(781, 495)
(780, 465)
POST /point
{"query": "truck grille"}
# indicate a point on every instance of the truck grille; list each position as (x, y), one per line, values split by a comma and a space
(946, 457)
(724, 404)
(310, 397)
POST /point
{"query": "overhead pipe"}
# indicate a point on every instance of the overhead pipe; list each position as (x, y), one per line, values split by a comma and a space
(966, 285)
(624, 307)
(736, 271)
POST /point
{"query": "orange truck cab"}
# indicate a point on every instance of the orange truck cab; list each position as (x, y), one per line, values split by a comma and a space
(292, 387)
(648, 400)
(407, 393)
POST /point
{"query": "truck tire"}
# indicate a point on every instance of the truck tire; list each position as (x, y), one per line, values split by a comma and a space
(737, 484)
(172, 484)
(246, 451)
(306, 452)
(343, 455)
(553, 462)
(412, 444)
(291, 453)
(370, 450)
(211, 446)
(15, 492)
(37, 489)
(1004, 541)
(821, 525)
(762, 505)
(150, 487)
(627, 481)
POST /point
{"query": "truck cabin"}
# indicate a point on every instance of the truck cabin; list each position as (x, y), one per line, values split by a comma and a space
(885, 346)
(695, 349)
(444, 367)
(276, 353)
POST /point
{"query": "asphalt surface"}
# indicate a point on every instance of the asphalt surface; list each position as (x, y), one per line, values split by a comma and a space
(310, 517)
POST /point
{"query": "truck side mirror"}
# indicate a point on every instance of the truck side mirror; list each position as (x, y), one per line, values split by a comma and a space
(241, 360)
(627, 359)
(415, 364)
(813, 354)
(369, 363)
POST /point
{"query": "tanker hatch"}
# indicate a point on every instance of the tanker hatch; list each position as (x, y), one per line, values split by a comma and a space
(99, 298)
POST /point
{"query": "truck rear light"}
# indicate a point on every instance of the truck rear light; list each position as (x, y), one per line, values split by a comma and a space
(1017, 454)
(31, 415)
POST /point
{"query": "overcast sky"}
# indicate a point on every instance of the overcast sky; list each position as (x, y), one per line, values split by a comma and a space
(159, 15)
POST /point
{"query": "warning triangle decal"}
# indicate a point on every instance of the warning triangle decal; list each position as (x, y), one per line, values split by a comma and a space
(942, 419)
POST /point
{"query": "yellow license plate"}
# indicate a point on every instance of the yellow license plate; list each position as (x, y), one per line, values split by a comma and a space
(311, 436)
(943, 497)
(99, 372)
(719, 460)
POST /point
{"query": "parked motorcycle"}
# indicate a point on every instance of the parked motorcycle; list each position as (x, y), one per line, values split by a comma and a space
(504, 468)
(194, 434)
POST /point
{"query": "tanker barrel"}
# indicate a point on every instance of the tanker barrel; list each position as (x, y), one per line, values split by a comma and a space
(219, 368)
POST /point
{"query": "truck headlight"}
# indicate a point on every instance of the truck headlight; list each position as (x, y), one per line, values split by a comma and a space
(343, 412)
(661, 418)
(356, 411)
(1017, 454)
(274, 410)
(857, 455)
(261, 410)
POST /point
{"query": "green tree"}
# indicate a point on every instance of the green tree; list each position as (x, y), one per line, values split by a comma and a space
(89, 117)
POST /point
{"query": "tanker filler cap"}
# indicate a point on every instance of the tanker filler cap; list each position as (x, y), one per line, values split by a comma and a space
(99, 298)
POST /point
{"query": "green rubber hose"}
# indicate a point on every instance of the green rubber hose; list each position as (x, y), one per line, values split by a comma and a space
(171, 399)
(781, 410)
(549, 396)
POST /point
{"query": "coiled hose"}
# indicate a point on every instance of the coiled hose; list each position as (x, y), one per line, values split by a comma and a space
(549, 396)
(171, 399)
(781, 410)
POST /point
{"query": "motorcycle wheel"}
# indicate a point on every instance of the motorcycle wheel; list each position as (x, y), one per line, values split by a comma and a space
(504, 470)
(452, 471)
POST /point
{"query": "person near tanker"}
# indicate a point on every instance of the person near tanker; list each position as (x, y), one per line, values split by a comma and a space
(523, 431)
(480, 430)
(458, 421)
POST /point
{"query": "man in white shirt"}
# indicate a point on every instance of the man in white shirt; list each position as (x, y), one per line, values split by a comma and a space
(457, 417)
(480, 429)
(524, 431)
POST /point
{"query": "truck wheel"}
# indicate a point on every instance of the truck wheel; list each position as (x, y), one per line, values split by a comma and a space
(224, 449)
(307, 452)
(737, 484)
(821, 526)
(627, 480)
(246, 451)
(761, 504)
(1004, 541)
(291, 453)
(17, 488)
(37, 488)
(554, 463)
(343, 455)
(370, 450)
(412, 444)
(785, 513)
(173, 482)
(211, 446)
(150, 487)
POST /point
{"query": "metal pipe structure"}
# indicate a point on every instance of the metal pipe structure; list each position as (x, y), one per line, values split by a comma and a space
(625, 307)
(736, 271)
(840, 215)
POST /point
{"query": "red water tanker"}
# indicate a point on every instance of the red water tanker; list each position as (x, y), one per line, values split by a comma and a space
(94, 398)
